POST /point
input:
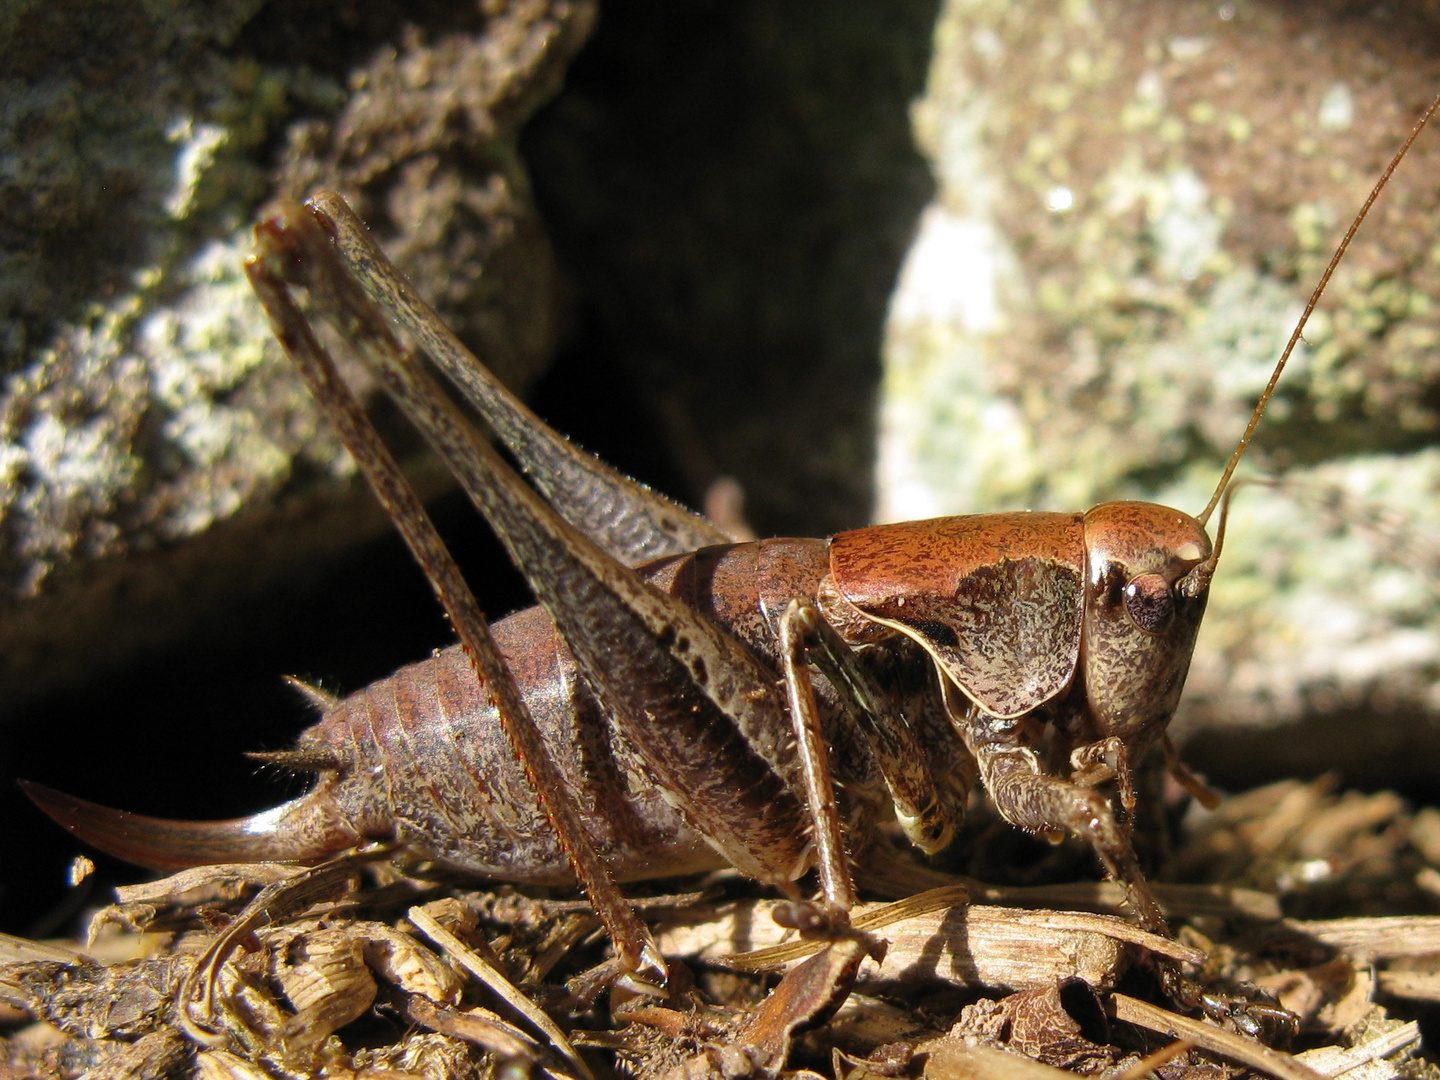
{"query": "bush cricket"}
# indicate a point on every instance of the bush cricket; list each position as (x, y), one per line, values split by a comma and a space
(663, 699)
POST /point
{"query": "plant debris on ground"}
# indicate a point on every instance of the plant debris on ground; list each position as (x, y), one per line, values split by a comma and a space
(1325, 903)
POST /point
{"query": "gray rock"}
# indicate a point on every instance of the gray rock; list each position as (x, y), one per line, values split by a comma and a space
(1134, 201)
(157, 459)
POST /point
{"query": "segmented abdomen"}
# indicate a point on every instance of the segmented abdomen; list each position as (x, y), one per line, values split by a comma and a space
(425, 762)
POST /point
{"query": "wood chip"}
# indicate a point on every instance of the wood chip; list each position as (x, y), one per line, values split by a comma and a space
(974, 945)
(206, 884)
(1372, 940)
(1364, 1062)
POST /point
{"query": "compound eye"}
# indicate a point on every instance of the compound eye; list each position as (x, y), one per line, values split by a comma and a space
(1149, 603)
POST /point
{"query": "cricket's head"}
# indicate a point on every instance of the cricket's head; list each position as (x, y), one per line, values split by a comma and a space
(1145, 592)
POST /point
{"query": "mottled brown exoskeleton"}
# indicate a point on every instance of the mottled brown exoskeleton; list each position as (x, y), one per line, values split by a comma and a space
(660, 700)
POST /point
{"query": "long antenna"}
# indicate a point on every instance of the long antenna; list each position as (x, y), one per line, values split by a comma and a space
(1310, 306)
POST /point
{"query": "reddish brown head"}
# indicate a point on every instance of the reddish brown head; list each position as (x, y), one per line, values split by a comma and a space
(1140, 619)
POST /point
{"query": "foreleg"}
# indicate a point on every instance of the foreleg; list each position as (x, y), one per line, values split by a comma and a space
(1029, 799)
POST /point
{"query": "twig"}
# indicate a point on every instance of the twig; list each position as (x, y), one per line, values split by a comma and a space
(497, 982)
(1239, 1048)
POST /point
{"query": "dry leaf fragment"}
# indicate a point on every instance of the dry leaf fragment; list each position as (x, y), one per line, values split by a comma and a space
(1138, 1068)
(478, 1026)
(405, 962)
(760, 1044)
(807, 993)
(1062, 1025)
(323, 975)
